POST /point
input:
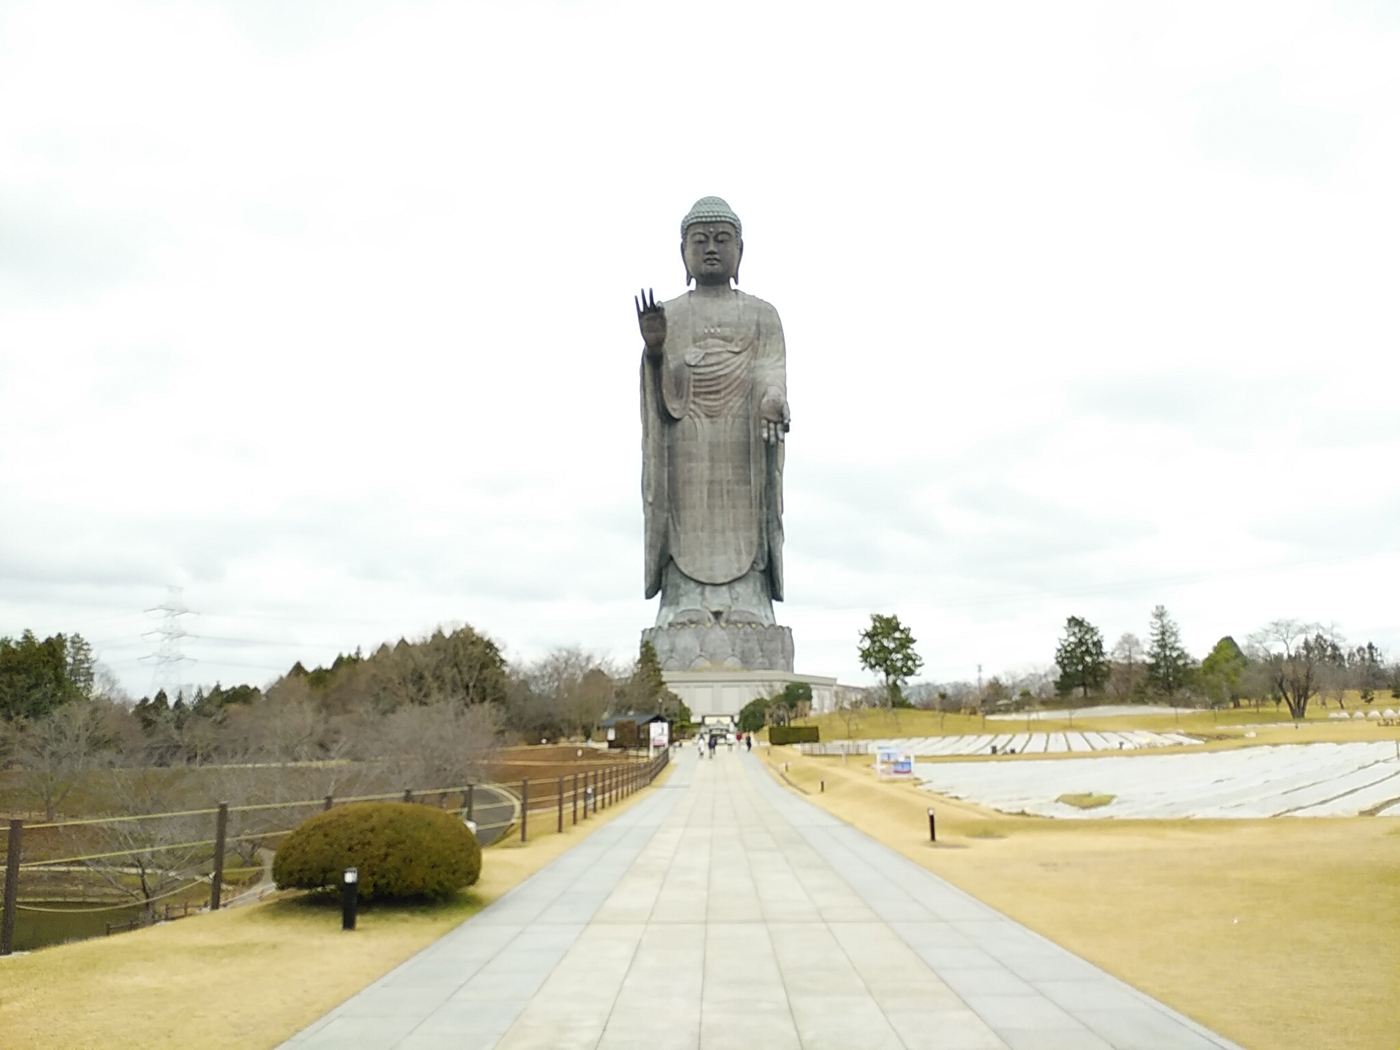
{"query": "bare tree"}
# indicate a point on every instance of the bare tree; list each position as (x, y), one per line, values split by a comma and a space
(849, 704)
(439, 746)
(275, 764)
(1129, 671)
(1296, 656)
(158, 853)
(579, 685)
(57, 751)
(595, 692)
(1334, 678)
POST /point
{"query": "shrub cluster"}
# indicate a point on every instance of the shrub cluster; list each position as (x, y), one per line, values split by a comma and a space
(793, 734)
(401, 850)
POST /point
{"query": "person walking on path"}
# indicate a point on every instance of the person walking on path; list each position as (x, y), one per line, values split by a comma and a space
(713, 744)
(748, 742)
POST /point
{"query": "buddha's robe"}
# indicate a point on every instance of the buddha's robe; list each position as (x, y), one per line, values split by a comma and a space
(711, 486)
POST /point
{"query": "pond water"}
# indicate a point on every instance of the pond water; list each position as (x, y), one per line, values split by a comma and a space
(67, 922)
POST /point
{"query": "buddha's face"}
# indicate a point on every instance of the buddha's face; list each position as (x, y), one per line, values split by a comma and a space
(712, 251)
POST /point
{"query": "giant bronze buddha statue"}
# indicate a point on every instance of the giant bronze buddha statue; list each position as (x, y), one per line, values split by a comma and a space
(714, 418)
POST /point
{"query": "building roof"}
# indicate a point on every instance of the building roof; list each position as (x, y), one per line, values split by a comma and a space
(640, 719)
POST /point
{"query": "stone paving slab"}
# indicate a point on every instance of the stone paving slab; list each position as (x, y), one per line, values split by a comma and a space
(722, 911)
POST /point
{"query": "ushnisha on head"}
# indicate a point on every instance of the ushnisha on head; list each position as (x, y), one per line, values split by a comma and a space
(712, 242)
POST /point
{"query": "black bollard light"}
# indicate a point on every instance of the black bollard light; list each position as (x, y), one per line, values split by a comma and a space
(349, 898)
(932, 827)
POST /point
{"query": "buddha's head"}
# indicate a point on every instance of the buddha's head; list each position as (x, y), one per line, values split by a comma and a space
(712, 242)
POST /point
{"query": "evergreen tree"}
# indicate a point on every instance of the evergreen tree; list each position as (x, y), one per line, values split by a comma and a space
(754, 715)
(1366, 668)
(887, 647)
(1222, 671)
(1081, 659)
(645, 691)
(1169, 666)
(38, 676)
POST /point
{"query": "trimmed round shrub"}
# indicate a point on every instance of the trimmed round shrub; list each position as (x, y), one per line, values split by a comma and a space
(401, 850)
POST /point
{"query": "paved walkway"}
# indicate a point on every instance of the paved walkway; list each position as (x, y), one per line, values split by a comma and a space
(722, 911)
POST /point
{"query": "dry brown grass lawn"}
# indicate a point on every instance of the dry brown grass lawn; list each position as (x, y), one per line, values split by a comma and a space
(1281, 934)
(239, 979)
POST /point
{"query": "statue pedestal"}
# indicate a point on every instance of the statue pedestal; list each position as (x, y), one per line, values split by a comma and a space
(712, 647)
(716, 670)
(724, 693)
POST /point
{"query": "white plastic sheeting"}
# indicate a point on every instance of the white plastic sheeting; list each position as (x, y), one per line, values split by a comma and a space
(1103, 711)
(1032, 743)
(1302, 780)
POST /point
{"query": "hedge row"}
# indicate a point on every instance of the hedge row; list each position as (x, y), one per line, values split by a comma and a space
(793, 734)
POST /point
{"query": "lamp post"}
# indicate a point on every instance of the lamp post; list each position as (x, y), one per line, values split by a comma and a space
(349, 898)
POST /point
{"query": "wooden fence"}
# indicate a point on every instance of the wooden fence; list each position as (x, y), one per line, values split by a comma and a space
(503, 807)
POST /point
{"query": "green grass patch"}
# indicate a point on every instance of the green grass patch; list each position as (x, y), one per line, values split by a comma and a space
(1086, 800)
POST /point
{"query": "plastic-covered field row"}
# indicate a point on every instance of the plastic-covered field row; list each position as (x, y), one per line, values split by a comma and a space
(1031, 743)
(1286, 780)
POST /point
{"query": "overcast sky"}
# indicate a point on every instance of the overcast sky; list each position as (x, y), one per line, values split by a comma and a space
(322, 312)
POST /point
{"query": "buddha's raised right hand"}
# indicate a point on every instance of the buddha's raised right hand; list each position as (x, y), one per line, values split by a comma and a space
(652, 321)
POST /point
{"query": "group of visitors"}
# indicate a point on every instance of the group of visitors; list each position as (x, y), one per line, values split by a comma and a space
(710, 741)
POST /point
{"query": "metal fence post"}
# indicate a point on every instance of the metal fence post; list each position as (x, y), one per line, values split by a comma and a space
(561, 805)
(524, 806)
(471, 801)
(216, 882)
(7, 918)
(575, 798)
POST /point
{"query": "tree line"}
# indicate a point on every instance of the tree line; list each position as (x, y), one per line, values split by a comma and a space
(1289, 662)
(422, 712)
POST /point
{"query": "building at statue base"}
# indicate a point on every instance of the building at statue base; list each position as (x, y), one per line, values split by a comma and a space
(725, 692)
(717, 669)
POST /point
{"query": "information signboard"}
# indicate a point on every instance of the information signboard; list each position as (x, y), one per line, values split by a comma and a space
(889, 762)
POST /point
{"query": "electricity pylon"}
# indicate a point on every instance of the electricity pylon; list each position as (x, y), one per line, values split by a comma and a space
(168, 657)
